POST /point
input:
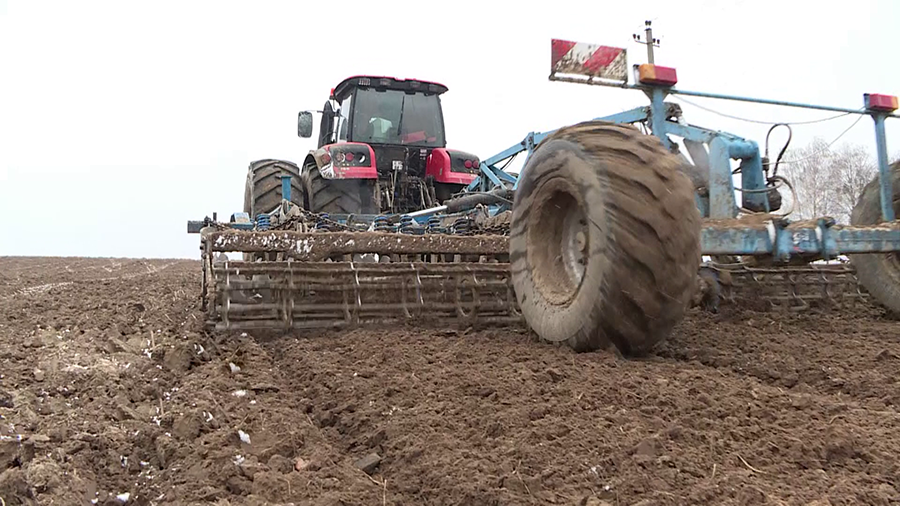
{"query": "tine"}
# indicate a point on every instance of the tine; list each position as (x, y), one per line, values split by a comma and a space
(795, 288)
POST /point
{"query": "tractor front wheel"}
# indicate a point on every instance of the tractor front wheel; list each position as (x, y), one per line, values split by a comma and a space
(605, 239)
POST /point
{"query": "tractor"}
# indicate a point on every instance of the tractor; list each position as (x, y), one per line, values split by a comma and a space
(381, 149)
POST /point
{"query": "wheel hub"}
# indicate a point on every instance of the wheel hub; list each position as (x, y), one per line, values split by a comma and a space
(558, 244)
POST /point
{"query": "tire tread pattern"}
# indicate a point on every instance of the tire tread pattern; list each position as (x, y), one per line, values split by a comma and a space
(652, 249)
(878, 273)
(333, 196)
(263, 187)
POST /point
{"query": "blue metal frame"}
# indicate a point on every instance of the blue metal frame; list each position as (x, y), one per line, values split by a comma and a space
(824, 240)
(887, 211)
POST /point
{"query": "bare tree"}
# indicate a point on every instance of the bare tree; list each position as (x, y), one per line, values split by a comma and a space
(828, 182)
(807, 169)
(852, 167)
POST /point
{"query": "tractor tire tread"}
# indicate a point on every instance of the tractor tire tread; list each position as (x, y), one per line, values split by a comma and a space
(652, 250)
(878, 273)
(263, 187)
(349, 196)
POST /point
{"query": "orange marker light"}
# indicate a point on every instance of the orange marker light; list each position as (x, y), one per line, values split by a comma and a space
(876, 102)
(649, 73)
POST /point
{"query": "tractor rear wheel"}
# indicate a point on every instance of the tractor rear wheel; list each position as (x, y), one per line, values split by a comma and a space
(879, 273)
(339, 196)
(262, 191)
(605, 239)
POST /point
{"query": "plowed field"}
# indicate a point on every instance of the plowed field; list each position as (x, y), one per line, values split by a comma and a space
(111, 392)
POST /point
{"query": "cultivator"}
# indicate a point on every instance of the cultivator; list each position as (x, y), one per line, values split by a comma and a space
(321, 273)
(597, 242)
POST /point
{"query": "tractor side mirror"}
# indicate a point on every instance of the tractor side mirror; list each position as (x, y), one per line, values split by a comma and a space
(305, 124)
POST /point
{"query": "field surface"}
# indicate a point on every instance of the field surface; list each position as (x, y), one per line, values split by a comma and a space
(111, 392)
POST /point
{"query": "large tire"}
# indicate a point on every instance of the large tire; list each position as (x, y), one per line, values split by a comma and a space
(340, 196)
(262, 191)
(605, 239)
(879, 273)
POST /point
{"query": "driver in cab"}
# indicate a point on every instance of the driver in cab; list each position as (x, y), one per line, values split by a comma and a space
(377, 127)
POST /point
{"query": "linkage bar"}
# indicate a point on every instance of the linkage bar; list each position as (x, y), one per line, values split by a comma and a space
(730, 237)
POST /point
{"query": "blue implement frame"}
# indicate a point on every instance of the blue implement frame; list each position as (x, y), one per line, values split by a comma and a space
(778, 238)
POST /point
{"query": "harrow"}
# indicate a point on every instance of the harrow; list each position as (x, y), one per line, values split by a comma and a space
(327, 274)
(605, 237)
(795, 288)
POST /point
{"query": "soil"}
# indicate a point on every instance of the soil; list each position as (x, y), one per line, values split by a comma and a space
(111, 391)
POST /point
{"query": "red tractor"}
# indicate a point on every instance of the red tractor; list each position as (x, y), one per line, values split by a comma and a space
(381, 150)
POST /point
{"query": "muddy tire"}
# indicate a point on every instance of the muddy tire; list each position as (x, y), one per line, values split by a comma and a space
(339, 196)
(262, 191)
(605, 239)
(879, 273)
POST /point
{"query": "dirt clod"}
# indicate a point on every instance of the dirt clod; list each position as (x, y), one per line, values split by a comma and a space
(188, 425)
(280, 463)
(6, 399)
(555, 375)
(44, 475)
(178, 359)
(14, 486)
(9, 453)
(368, 463)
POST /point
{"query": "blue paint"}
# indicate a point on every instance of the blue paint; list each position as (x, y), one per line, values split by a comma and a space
(835, 240)
(382, 224)
(241, 218)
(635, 115)
(721, 186)
(262, 222)
(693, 133)
(286, 187)
(768, 101)
(884, 171)
(827, 246)
(785, 245)
(491, 175)
(702, 202)
(753, 180)
(658, 116)
(533, 139)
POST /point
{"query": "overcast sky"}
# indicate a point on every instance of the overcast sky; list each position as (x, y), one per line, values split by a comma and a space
(120, 121)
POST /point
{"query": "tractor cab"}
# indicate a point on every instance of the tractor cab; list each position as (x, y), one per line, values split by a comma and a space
(391, 130)
(387, 111)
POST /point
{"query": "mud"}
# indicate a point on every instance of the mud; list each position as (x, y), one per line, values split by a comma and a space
(111, 391)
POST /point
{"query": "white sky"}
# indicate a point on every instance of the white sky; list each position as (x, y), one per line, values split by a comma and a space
(120, 121)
